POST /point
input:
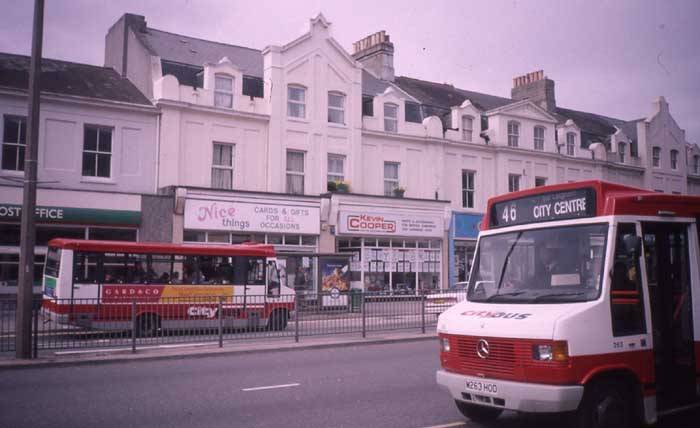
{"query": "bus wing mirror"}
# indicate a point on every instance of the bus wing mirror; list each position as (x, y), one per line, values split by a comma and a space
(633, 245)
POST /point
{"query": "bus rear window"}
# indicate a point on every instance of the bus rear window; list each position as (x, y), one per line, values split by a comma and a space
(53, 262)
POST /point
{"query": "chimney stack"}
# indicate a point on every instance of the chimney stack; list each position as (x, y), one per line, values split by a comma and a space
(376, 53)
(535, 87)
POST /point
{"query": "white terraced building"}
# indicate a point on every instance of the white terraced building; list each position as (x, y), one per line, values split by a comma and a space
(265, 132)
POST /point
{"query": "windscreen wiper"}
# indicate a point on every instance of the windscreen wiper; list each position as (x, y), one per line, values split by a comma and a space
(510, 294)
(505, 261)
(543, 297)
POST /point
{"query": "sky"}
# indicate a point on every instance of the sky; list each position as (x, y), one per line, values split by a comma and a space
(607, 57)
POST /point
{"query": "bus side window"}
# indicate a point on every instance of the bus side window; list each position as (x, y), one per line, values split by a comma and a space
(626, 299)
(273, 288)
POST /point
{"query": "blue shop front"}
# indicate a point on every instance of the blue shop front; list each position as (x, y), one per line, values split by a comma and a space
(464, 229)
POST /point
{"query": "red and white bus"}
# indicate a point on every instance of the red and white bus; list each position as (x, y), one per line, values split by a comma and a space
(97, 284)
(584, 298)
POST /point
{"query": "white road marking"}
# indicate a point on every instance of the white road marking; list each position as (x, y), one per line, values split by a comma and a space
(261, 388)
(451, 424)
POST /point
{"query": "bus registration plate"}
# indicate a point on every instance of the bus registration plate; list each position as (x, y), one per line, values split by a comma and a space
(478, 386)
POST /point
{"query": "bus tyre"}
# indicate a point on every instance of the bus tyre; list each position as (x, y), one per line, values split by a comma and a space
(478, 413)
(605, 405)
(277, 321)
(147, 325)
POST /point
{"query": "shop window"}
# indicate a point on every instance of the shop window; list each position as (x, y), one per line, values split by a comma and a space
(223, 92)
(222, 166)
(46, 233)
(104, 234)
(296, 101)
(194, 236)
(308, 240)
(14, 141)
(275, 239)
(97, 152)
(218, 237)
(9, 234)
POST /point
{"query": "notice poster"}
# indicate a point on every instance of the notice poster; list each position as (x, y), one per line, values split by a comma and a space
(335, 273)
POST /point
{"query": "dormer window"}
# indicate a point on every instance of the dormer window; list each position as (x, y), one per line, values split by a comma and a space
(336, 107)
(539, 138)
(674, 159)
(570, 143)
(621, 152)
(656, 157)
(296, 101)
(467, 128)
(513, 133)
(223, 91)
(391, 112)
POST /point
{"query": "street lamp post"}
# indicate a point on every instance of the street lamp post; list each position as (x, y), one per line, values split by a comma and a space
(26, 257)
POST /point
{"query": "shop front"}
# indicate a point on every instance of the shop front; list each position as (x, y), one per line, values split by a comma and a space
(291, 224)
(464, 230)
(395, 249)
(62, 214)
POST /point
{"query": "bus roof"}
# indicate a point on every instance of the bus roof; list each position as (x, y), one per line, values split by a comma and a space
(246, 249)
(605, 198)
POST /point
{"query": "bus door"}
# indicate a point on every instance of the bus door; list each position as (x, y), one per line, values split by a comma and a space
(668, 270)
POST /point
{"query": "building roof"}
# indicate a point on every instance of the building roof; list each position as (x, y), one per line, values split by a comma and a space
(594, 127)
(69, 78)
(176, 48)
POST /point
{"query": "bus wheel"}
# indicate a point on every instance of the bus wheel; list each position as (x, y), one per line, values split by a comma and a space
(147, 325)
(277, 321)
(605, 405)
(478, 413)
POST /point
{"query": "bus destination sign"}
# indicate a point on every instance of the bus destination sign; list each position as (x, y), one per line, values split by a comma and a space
(576, 203)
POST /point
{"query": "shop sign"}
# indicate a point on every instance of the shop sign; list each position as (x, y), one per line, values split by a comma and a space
(48, 214)
(251, 217)
(364, 223)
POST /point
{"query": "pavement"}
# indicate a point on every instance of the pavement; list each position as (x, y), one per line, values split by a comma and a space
(206, 349)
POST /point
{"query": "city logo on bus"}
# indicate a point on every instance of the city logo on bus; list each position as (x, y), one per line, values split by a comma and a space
(490, 314)
(364, 222)
(201, 311)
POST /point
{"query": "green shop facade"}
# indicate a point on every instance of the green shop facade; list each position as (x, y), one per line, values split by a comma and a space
(79, 215)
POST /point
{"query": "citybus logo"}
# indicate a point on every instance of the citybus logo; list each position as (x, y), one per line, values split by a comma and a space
(490, 314)
(370, 223)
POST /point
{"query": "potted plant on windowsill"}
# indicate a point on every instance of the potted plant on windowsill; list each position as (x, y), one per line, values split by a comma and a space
(399, 191)
(331, 186)
(342, 186)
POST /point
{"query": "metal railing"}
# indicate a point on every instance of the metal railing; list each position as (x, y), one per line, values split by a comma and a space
(142, 321)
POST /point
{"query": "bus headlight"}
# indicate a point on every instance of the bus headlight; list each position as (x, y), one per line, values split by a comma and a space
(444, 344)
(556, 351)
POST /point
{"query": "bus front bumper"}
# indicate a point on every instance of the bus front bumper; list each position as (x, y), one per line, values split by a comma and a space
(516, 396)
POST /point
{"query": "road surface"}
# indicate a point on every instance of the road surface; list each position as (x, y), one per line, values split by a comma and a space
(389, 385)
